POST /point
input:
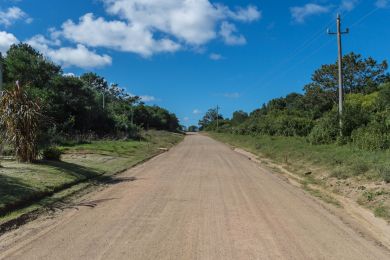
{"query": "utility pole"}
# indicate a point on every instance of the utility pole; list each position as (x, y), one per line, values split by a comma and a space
(339, 34)
(217, 118)
(104, 100)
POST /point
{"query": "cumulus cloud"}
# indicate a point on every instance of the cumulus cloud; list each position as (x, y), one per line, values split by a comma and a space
(118, 35)
(229, 34)
(149, 27)
(136, 26)
(300, 13)
(13, 14)
(248, 14)
(79, 56)
(6, 40)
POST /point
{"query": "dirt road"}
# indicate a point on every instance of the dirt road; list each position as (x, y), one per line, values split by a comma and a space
(201, 200)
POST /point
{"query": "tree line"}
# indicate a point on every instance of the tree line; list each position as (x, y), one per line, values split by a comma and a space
(40, 106)
(313, 114)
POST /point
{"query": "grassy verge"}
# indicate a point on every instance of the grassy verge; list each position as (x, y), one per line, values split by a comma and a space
(23, 185)
(345, 170)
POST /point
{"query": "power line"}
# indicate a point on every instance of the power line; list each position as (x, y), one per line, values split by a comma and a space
(276, 70)
(306, 44)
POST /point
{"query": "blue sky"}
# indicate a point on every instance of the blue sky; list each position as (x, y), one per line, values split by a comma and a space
(190, 55)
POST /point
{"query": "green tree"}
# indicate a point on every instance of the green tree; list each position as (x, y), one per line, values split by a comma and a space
(239, 117)
(360, 75)
(193, 128)
(26, 65)
(209, 118)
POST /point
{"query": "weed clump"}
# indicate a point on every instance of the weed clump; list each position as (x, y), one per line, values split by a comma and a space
(382, 212)
(359, 168)
(52, 154)
(340, 174)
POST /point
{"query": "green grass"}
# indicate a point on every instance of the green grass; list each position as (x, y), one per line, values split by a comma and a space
(342, 161)
(382, 212)
(24, 184)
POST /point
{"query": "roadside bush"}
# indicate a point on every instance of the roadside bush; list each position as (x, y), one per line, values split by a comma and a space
(288, 125)
(325, 131)
(371, 138)
(354, 116)
(52, 154)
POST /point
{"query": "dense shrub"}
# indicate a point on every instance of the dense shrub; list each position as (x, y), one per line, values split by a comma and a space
(371, 138)
(355, 115)
(325, 131)
(280, 124)
(52, 154)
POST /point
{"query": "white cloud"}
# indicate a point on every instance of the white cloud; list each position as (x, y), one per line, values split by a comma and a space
(382, 3)
(216, 56)
(191, 21)
(70, 74)
(348, 5)
(149, 27)
(118, 35)
(186, 119)
(12, 15)
(6, 40)
(143, 27)
(300, 13)
(232, 95)
(79, 56)
(248, 14)
(147, 98)
(196, 112)
(229, 34)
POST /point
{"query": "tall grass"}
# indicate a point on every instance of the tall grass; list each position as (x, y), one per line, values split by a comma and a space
(341, 161)
(20, 119)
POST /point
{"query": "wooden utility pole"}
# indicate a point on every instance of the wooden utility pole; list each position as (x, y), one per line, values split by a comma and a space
(339, 34)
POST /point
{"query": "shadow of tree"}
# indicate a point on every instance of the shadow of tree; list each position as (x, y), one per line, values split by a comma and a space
(78, 171)
(11, 190)
(16, 194)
